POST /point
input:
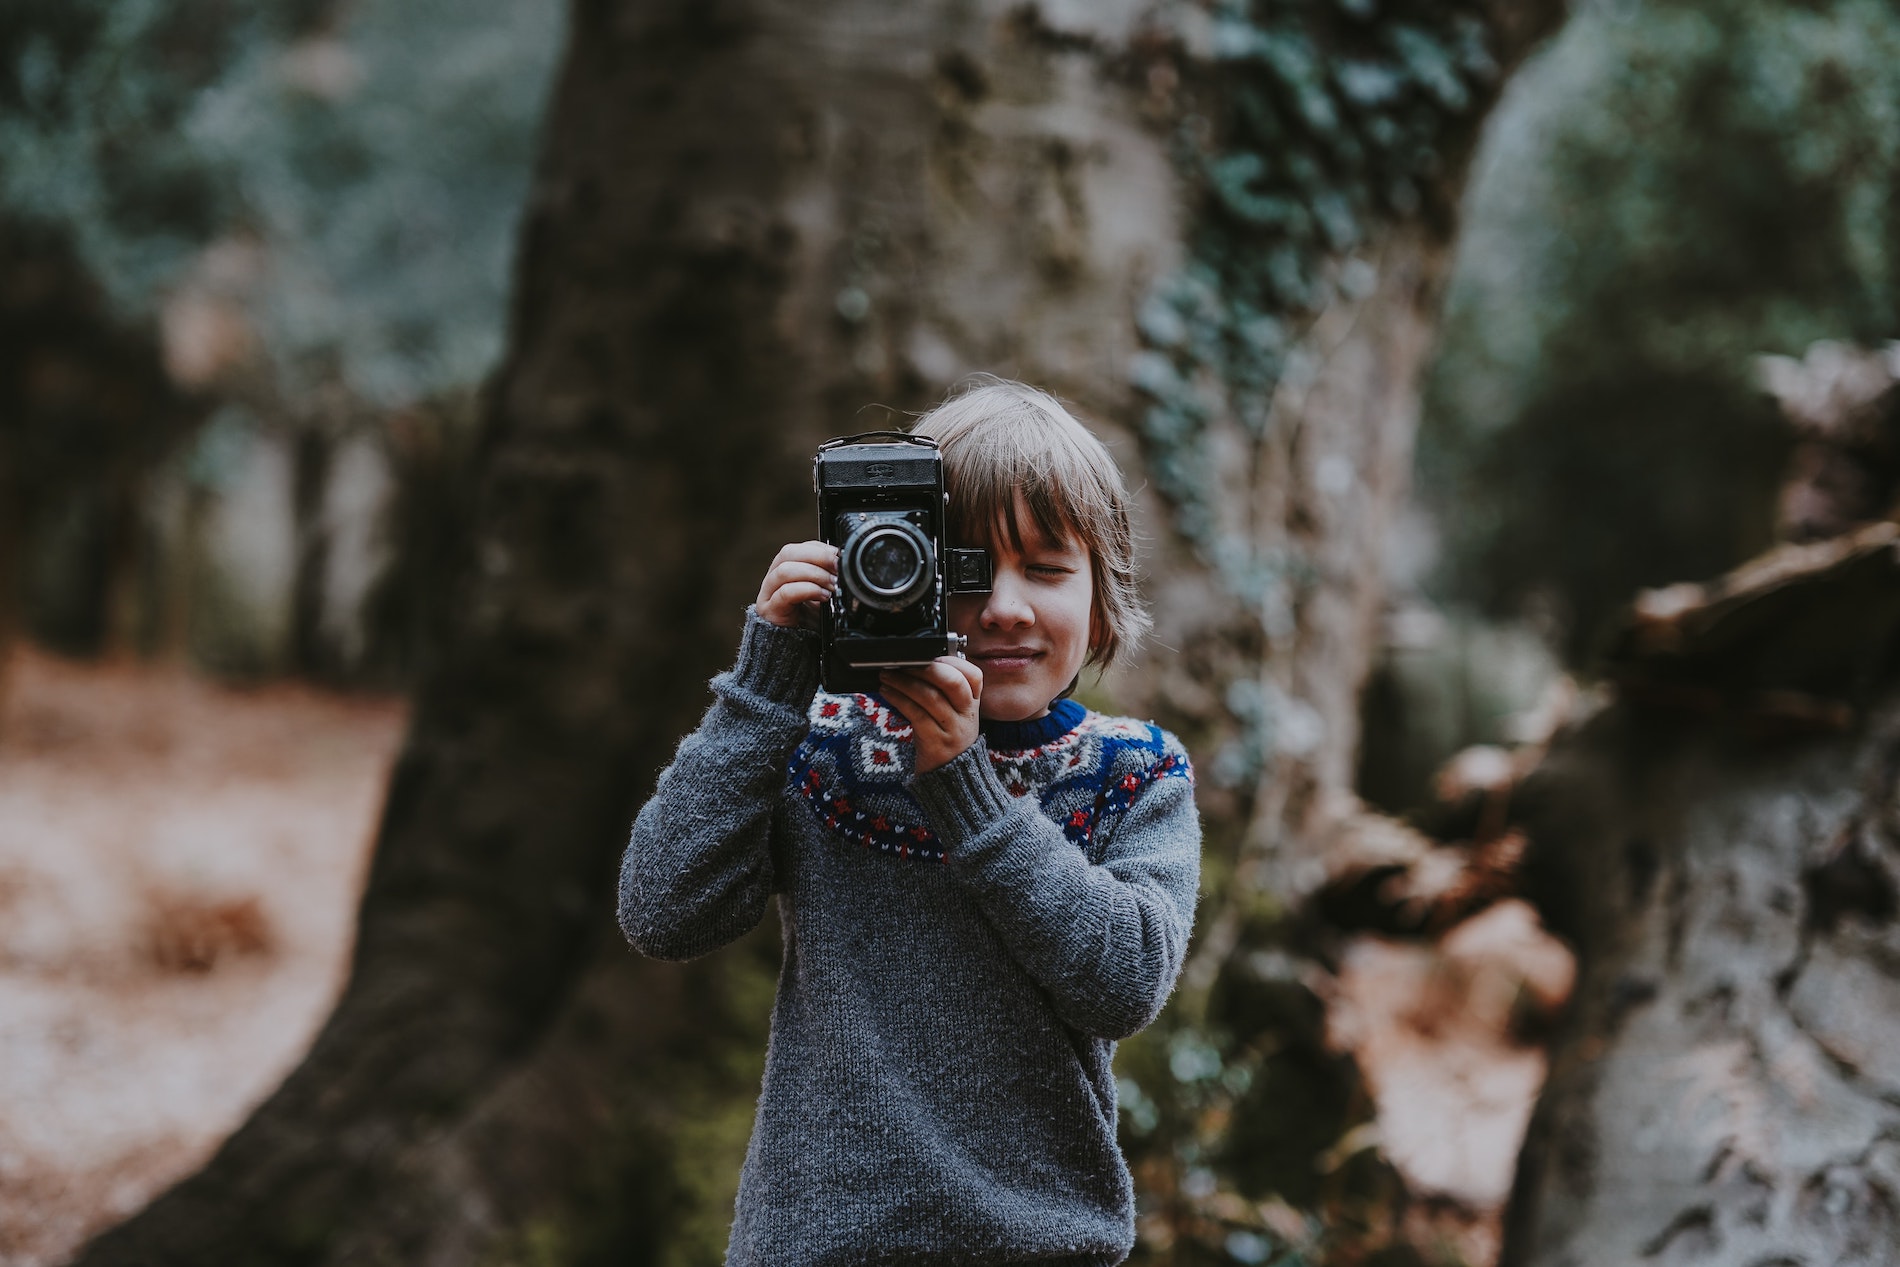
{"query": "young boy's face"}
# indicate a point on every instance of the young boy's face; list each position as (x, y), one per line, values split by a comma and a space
(1030, 633)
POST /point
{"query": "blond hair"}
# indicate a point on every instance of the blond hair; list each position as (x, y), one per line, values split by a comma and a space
(1002, 438)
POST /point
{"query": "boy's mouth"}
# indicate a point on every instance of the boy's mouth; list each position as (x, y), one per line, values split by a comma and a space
(1005, 658)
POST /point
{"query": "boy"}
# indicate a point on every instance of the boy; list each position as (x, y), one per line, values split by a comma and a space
(981, 884)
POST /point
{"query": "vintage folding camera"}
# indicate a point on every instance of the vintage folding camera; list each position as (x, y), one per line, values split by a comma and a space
(881, 501)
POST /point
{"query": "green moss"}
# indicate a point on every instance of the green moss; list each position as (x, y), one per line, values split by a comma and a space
(1310, 122)
(1305, 126)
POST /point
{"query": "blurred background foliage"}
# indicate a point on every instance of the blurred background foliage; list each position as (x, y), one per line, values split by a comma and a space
(353, 173)
(308, 211)
(1667, 191)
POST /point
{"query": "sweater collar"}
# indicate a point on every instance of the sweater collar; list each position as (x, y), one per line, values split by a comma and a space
(1013, 736)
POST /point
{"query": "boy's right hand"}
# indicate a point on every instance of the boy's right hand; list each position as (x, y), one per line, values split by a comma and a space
(799, 584)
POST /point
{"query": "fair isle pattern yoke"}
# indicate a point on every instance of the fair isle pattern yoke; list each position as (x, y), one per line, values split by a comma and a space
(853, 766)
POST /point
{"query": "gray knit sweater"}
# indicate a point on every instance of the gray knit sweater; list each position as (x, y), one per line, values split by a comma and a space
(961, 948)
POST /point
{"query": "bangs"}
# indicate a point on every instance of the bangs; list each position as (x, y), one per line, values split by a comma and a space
(985, 509)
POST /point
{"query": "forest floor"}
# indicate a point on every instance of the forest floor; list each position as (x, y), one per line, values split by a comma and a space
(179, 869)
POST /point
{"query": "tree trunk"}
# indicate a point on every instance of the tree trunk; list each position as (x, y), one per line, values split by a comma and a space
(1329, 479)
(1291, 429)
(86, 410)
(750, 219)
(1725, 1090)
(1723, 847)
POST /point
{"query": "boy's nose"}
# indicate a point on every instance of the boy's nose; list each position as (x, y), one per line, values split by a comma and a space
(1006, 605)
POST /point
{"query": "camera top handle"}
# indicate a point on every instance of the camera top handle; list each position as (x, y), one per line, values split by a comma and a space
(879, 437)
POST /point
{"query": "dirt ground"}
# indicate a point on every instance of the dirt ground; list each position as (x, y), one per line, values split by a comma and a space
(179, 869)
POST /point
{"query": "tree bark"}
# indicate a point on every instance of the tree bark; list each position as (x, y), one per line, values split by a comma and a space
(1722, 845)
(1725, 1089)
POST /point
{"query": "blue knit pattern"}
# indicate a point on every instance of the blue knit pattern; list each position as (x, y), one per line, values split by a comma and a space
(852, 768)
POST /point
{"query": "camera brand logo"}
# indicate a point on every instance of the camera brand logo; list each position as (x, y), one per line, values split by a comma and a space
(881, 471)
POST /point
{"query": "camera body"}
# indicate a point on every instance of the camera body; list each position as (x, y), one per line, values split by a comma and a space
(881, 501)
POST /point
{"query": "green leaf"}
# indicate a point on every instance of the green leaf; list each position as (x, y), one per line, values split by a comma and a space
(1233, 177)
(1336, 220)
(1367, 83)
(1431, 65)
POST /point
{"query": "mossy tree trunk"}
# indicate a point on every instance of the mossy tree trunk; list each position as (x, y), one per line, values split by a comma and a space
(1280, 379)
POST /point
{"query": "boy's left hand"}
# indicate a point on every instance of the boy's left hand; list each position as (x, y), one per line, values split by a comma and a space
(939, 700)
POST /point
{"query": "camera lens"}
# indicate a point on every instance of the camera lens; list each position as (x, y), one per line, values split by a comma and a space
(887, 565)
(890, 563)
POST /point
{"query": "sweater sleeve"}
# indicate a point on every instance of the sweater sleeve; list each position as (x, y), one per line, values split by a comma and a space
(698, 872)
(1106, 940)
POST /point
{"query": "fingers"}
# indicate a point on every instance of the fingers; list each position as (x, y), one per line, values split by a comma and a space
(818, 552)
(802, 573)
(946, 690)
(969, 672)
(939, 701)
(785, 573)
(797, 592)
(924, 708)
(959, 681)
